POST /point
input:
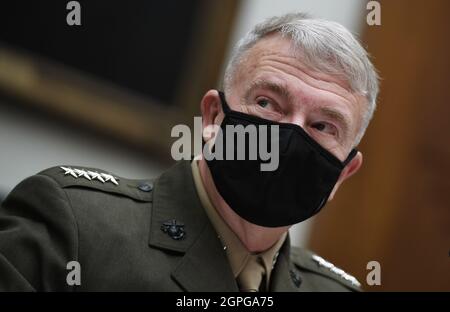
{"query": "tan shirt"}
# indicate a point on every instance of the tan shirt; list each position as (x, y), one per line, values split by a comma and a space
(243, 263)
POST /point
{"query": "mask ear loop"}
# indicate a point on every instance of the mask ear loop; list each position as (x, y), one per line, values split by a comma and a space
(225, 107)
(350, 157)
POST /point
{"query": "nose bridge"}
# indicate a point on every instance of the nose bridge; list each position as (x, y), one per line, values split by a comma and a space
(297, 117)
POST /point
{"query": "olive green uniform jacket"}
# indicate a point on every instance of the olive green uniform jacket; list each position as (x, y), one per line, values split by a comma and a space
(115, 233)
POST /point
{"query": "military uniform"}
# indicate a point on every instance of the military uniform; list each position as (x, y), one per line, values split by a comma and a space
(130, 235)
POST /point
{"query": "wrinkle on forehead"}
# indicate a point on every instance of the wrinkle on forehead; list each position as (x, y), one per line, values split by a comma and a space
(278, 49)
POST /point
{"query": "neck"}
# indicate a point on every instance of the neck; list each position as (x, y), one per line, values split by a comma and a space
(254, 237)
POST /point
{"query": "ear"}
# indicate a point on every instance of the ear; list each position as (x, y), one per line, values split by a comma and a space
(349, 170)
(212, 114)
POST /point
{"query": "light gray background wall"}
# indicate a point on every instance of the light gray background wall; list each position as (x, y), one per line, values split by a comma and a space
(29, 145)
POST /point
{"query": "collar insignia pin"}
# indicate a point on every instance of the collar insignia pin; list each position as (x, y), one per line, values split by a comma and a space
(173, 229)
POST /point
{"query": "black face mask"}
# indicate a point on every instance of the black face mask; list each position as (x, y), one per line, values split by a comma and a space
(292, 193)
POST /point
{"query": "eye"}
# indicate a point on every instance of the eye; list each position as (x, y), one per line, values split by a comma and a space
(319, 126)
(263, 102)
(267, 107)
(325, 127)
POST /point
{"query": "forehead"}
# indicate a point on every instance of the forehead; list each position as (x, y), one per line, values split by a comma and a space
(273, 59)
(278, 52)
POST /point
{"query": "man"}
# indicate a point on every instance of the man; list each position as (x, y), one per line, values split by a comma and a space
(205, 224)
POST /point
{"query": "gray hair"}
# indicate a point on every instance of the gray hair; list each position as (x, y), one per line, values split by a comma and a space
(325, 46)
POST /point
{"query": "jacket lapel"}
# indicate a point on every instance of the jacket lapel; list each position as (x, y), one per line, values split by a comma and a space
(203, 265)
(282, 275)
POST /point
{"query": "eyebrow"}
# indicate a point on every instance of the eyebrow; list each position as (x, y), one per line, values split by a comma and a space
(277, 88)
(337, 116)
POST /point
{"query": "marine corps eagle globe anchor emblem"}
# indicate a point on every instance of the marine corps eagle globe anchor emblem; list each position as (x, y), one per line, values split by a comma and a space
(173, 229)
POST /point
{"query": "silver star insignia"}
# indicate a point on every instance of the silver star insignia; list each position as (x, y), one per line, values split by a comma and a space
(68, 170)
(90, 175)
(324, 263)
(82, 173)
(96, 175)
(113, 180)
(109, 177)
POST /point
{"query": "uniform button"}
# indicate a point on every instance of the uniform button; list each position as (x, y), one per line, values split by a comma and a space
(145, 187)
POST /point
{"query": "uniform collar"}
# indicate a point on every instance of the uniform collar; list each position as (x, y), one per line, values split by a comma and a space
(237, 254)
(200, 251)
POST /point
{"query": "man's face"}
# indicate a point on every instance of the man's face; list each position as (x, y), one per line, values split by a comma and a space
(272, 83)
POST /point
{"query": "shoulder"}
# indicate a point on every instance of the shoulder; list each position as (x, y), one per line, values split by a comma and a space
(68, 213)
(88, 179)
(323, 272)
(78, 192)
(83, 198)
